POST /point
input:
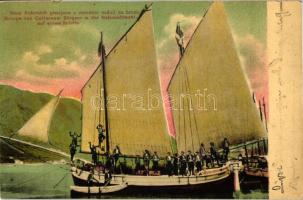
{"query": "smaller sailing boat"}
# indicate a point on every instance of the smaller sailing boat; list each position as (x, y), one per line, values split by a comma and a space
(37, 127)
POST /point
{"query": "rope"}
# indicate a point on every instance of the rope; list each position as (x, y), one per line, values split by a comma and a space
(32, 178)
(195, 120)
(179, 110)
(184, 132)
(60, 180)
(189, 117)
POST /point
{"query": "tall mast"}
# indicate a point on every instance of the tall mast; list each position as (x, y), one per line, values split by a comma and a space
(105, 94)
(264, 110)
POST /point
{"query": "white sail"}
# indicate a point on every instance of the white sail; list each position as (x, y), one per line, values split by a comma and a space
(211, 70)
(131, 72)
(38, 125)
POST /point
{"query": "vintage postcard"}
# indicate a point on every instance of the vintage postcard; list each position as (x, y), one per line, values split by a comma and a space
(163, 99)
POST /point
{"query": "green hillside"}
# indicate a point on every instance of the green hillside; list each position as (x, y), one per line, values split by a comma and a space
(17, 106)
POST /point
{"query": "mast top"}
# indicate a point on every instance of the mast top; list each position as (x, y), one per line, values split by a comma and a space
(60, 92)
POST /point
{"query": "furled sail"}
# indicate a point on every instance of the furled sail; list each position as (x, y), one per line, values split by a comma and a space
(38, 125)
(135, 107)
(209, 92)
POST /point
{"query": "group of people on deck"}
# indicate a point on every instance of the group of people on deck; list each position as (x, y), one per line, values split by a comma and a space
(185, 164)
(175, 164)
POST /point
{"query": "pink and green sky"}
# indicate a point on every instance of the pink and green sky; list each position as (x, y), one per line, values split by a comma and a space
(49, 58)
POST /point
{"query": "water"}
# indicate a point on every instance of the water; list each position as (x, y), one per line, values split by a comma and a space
(54, 180)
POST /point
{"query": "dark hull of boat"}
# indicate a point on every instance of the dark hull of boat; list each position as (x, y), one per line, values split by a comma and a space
(213, 189)
(250, 182)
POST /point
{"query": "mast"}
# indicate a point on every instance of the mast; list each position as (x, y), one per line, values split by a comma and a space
(265, 117)
(105, 94)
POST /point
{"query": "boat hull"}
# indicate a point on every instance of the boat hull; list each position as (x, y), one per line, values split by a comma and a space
(210, 181)
(222, 188)
(254, 180)
(97, 189)
(209, 175)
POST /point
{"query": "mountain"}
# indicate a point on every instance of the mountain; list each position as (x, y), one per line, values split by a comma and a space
(17, 106)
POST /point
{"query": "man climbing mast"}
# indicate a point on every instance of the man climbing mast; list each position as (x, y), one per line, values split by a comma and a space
(179, 39)
(101, 134)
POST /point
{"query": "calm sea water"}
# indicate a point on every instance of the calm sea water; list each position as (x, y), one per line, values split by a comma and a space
(54, 180)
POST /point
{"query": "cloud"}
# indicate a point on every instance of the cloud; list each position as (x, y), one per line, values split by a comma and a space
(32, 66)
(30, 57)
(44, 49)
(253, 58)
(60, 62)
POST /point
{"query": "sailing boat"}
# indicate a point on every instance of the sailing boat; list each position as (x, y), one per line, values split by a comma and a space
(210, 69)
(135, 130)
(37, 127)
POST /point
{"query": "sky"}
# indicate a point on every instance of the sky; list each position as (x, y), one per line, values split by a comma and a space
(49, 58)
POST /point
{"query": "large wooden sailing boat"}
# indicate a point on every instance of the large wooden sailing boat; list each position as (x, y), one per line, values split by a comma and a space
(210, 55)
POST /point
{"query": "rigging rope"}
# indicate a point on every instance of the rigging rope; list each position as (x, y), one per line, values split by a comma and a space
(179, 109)
(188, 110)
(195, 120)
(60, 180)
(32, 178)
(184, 132)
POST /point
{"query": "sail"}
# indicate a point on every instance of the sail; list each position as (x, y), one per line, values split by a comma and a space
(38, 125)
(209, 91)
(92, 110)
(135, 108)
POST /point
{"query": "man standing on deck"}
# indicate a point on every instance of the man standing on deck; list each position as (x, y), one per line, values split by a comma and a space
(176, 163)
(146, 158)
(155, 162)
(182, 164)
(225, 145)
(202, 152)
(214, 154)
(169, 164)
(72, 150)
(74, 137)
(93, 151)
(190, 163)
(116, 154)
(198, 161)
(137, 164)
